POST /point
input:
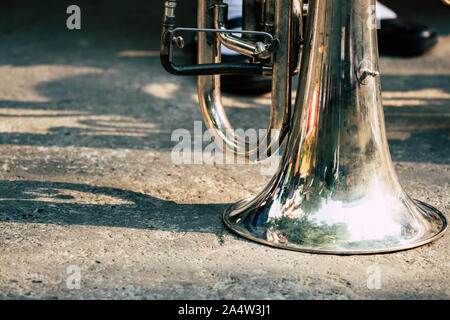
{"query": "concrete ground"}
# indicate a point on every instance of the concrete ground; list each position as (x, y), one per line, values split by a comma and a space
(88, 188)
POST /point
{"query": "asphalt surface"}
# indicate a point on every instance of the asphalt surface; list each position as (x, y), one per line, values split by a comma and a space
(88, 190)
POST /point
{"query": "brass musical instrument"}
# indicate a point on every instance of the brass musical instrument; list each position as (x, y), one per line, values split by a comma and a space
(336, 190)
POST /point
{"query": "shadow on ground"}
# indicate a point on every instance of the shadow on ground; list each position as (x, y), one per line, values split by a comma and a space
(81, 204)
(98, 104)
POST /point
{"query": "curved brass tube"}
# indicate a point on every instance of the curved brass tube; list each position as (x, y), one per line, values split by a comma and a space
(210, 96)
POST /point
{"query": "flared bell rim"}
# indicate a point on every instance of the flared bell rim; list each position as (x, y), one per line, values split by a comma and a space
(426, 239)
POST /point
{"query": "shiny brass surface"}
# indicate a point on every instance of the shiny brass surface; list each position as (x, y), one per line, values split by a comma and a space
(336, 190)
